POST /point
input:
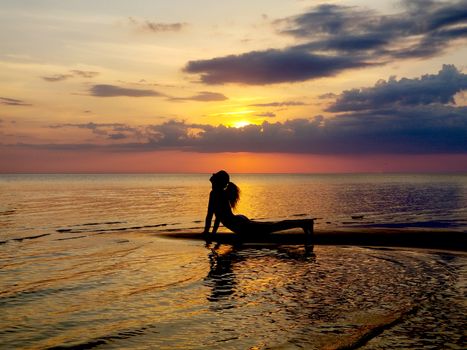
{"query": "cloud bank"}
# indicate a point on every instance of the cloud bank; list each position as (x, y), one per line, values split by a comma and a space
(406, 116)
(334, 38)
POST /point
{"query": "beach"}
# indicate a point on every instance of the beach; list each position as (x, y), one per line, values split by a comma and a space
(90, 261)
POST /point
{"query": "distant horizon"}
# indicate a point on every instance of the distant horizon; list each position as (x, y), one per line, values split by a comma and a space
(246, 173)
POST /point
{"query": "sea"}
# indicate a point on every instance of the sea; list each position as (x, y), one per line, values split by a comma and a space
(84, 263)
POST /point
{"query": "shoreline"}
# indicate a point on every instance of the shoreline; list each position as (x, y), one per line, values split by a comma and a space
(426, 239)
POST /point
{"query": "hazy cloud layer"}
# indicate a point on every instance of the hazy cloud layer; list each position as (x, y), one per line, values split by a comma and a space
(333, 38)
(105, 90)
(156, 27)
(13, 102)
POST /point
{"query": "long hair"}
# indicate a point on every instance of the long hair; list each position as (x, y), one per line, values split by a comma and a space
(221, 180)
(233, 194)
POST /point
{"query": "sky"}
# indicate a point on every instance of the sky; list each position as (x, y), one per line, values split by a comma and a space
(249, 86)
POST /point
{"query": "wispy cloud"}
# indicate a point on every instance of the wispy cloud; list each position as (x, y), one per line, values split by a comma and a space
(203, 96)
(105, 90)
(333, 38)
(84, 73)
(156, 27)
(73, 73)
(57, 77)
(13, 102)
(279, 104)
(266, 115)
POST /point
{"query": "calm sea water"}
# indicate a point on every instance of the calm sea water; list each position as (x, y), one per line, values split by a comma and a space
(82, 265)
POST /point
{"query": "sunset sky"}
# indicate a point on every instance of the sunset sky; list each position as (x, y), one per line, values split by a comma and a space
(245, 85)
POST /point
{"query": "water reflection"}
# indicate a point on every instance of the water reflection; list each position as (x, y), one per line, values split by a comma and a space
(225, 259)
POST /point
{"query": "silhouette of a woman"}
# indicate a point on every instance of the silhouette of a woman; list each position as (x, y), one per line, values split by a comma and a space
(224, 197)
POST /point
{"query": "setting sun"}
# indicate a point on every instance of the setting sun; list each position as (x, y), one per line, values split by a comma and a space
(241, 123)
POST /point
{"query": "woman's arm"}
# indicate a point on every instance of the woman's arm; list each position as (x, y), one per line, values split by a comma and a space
(216, 225)
(207, 223)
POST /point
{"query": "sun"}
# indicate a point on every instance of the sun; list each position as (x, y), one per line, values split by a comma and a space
(240, 123)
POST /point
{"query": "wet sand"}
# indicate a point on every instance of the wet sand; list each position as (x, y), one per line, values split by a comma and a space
(441, 240)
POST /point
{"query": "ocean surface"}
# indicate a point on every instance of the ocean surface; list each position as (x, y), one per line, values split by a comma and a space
(83, 265)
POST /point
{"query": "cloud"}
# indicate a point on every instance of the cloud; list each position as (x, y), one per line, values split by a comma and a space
(424, 29)
(335, 38)
(105, 90)
(440, 88)
(57, 77)
(111, 131)
(156, 27)
(426, 129)
(73, 73)
(327, 96)
(13, 102)
(406, 116)
(84, 73)
(266, 114)
(279, 104)
(203, 96)
(270, 67)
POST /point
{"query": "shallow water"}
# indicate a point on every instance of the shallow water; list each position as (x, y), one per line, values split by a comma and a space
(82, 266)
(141, 291)
(35, 205)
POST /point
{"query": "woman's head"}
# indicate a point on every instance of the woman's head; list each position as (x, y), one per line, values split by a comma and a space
(220, 179)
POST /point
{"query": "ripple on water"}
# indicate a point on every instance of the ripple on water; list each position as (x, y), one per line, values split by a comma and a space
(141, 292)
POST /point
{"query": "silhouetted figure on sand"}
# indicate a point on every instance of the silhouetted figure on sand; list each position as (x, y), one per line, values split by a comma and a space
(224, 197)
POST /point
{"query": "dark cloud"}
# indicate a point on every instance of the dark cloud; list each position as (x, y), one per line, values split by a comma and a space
(334, 38)
(423, 30)
(203, 96)
(104, 90)
(13, 102)
(428, 129)
(156, 27)
(271, 66)
(440, 88)
(279, 104)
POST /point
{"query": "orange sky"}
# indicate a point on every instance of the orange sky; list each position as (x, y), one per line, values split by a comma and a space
(249, 86)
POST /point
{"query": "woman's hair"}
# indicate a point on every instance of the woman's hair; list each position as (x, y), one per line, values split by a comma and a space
(233, 192)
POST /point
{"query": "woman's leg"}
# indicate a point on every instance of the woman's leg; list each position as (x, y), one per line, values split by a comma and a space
(269, 227)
